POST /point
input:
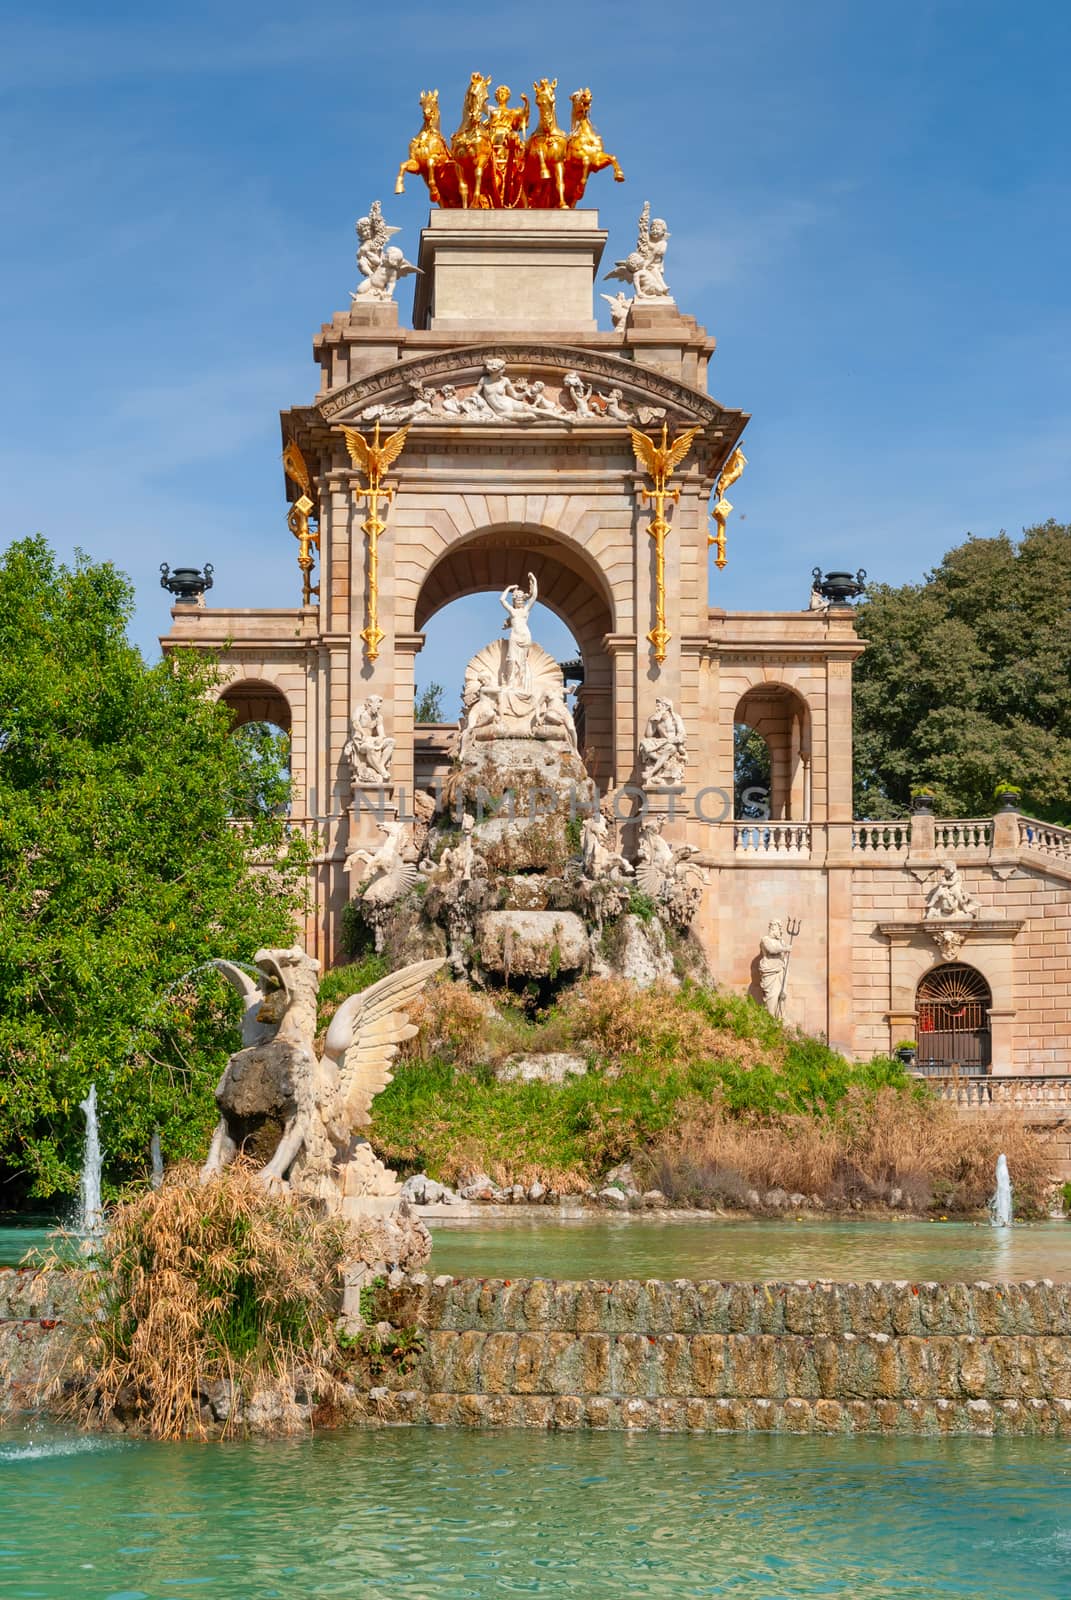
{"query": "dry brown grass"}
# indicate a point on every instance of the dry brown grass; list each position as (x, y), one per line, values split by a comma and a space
(456, 1023)
(198, 1286)
(877, 1144)
(617, 1019)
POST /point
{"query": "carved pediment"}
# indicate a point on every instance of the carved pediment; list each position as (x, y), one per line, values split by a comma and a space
(524, 385)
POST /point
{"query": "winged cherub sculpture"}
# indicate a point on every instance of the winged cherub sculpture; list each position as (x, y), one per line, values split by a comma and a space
(293, 1110)
(382, 264)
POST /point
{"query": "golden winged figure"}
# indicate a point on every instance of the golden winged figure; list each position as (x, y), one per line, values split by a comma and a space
(371, 457)
(294, 466)
(731, 470)
(661, 460)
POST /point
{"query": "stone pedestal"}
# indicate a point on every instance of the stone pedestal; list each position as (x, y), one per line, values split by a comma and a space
(508, 269)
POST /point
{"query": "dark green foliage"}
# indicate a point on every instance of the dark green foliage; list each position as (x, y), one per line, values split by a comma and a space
(965, 681)
(120, 871)
(641, 905)
(428, 704)
(751, 771)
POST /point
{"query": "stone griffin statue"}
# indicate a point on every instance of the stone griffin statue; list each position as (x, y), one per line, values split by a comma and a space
(296, 1112)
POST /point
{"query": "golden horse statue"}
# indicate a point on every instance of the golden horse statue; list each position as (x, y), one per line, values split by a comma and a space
(544, 156)
(584, 153)
(429, 156)
(471, 147)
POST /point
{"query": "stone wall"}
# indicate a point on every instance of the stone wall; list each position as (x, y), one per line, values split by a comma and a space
(852, 1357)
(682, 1356)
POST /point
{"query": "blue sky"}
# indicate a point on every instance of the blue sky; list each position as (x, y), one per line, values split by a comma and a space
(870, 208)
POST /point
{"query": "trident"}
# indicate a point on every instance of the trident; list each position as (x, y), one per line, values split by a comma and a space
(792, 927)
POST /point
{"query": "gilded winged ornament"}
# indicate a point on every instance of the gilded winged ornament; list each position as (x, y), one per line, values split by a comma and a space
(373, 457)
(660, 461)
(723, 505)
(297, 518)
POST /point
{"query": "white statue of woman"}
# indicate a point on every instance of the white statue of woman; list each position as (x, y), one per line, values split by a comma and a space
(516, 673)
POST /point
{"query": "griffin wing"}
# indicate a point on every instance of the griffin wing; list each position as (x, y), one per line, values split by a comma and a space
(645, 450)
(680, 448)
(364, 1036)
(294, 466)
(357, 445)
(392, 448)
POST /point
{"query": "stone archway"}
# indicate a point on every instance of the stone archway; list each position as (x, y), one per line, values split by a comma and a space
(255, 700)
(569, 585)
(953, 1003)
(781, 716)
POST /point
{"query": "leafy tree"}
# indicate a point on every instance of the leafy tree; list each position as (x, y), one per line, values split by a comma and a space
(428, 703)
(751, 772)
(965, 680)
(121, 869)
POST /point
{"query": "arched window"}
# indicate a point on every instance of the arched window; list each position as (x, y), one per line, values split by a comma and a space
(952, 1004)
(261, 725)
(772, 741)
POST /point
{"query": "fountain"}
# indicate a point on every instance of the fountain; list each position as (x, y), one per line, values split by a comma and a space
(156, 1159)
(1000, 1207)
(90, 1210)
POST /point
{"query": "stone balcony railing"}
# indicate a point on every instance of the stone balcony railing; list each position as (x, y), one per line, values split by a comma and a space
(1045, 837)
(983, 1091)
(892, 843)
(772, 838)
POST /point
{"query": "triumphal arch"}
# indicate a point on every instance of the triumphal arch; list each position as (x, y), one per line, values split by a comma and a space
(505, 439)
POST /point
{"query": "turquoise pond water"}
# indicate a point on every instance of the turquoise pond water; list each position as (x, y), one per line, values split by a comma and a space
(651, 1247)
(618, 1247)
(444, 1515)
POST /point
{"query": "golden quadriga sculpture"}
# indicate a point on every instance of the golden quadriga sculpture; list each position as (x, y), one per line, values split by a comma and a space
(493, 163)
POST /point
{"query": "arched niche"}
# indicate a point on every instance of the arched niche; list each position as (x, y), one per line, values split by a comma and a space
(569, 584)
(782, 719)
(255, 700)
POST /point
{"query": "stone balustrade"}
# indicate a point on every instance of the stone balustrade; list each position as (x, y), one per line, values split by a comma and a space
(1003, 1092)
(882, 838)
(959, 836)
(772, 838)
(1045, 837)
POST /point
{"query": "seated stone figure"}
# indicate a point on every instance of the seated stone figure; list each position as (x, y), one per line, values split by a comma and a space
(663, 748)
(369, 750)
(949, 896)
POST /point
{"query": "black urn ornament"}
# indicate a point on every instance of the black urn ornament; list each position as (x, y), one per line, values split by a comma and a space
(187, 584)
(839, 587)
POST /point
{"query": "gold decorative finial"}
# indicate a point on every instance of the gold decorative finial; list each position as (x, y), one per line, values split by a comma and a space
(722, 506)
(660, 461)
(373, 458)
(493, 163)
(297, 518)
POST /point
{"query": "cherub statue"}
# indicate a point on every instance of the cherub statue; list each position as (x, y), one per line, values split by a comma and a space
(644, 268)
(949, 896)
(381, 264)
(612, 407)
(579, 393)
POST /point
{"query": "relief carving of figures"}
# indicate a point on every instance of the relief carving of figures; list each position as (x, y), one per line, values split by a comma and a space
(773, 967)
(513, 689)
(368, 749)
(498, 397)
(663, 748)
(644, 268)
(381, 264)
(949, 896)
